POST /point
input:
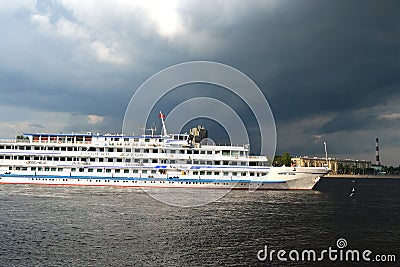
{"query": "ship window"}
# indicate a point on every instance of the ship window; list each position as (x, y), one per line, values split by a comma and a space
(225, 173)
(145, 161)
(216, 173)
(209, 173)
(69, 159)
(243, 163)
(181, 151)
(202, 162)
(126, 139)
(110, 149)
(63, 148)
(188, 162)
(137, 150)
(101, 149)
(1, 147)
(127, 160)
(172, 161)
(60, 169)
(24, 168)
(173, 151)
(110, 159)
(153, 171)
(21, 157)
(119, 149)
(53, 169)
(147, 140)
(101, 159)
(202, 172)
(46, 169)
(189, 152)
(135, 171)
(203, 152)
(225, 162)
(251, 173)
(196, 152)
(108, 170)
(144, 171)
(18, 168)
(209, 152)
(117, 170)
(81, 170)
(234, 173)
(73, 170)
(225, 152)
(128, 150)
(8, 147)
(119, 159)
(135, 139)
(195, 173)
(40, 168)
(196, 162)
(99, 170)
(154, 161)
(33, 168)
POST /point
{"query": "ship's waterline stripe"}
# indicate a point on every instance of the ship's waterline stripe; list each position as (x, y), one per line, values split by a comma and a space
(138, 179)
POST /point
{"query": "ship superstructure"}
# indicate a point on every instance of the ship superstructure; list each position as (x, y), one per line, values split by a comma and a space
(168, 160)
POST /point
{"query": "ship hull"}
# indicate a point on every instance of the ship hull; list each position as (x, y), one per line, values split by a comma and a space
(301, 182)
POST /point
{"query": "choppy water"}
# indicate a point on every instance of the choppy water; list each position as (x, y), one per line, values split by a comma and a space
(75, 226)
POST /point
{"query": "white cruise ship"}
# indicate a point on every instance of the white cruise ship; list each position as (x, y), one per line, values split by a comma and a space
(160, 161)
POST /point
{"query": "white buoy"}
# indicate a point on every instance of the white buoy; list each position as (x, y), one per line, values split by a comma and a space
(352, 192)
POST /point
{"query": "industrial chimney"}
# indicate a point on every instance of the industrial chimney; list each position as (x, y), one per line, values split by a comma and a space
(378, 163)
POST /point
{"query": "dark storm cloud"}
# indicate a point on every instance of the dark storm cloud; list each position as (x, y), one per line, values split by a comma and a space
(335, 60)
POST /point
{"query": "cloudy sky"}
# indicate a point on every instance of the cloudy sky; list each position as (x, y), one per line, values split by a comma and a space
(329, 69)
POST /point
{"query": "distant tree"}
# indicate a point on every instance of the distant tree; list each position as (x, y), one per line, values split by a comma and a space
(277, 161)
(285, 159)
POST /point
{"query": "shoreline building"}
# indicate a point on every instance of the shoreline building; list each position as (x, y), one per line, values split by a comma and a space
(338, 166)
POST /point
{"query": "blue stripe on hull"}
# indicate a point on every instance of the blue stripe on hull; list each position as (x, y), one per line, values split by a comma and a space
(139, 179)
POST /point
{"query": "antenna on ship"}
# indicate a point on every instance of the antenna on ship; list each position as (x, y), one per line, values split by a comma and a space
(162, 117)
(326, 155)
(152, 130)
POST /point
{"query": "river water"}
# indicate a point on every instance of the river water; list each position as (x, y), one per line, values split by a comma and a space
(103, 226)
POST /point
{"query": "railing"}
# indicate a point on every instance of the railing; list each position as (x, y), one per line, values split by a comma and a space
(8, 140)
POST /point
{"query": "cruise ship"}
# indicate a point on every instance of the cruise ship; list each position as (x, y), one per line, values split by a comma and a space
(159, 161)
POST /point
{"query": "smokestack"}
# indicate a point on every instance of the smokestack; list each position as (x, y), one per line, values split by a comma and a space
(378, 163)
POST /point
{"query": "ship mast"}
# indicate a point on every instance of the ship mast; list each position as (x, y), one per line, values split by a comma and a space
(162, 116)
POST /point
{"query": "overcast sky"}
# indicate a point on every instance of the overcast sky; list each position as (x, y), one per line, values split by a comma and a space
(329, 69)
